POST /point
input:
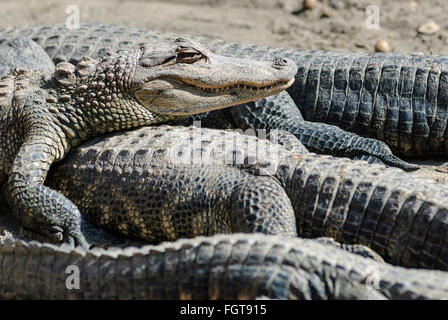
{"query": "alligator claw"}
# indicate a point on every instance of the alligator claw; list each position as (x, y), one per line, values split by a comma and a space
(71, 241)
(55, 233)
(81, 242)
(77, 241)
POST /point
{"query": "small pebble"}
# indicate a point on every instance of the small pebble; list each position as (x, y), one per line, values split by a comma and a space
(309, 4)
(382, 46)
(429, 27)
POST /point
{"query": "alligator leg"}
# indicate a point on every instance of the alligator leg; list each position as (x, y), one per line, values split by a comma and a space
(280, 112)
(254, 211)
(38, 207)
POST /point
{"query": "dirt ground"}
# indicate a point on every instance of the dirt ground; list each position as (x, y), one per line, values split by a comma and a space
(407, 26)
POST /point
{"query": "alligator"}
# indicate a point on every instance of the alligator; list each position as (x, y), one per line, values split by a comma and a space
(400, 99)
(43, 116)
(171, 182)
(95, 40)
(236, 266)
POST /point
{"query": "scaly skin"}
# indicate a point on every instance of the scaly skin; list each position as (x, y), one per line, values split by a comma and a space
(238, 266)
(43, 116)
(23, 53)
(168, 182)
(400, 99)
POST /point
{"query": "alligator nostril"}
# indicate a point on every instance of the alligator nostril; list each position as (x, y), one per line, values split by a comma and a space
(280, 62)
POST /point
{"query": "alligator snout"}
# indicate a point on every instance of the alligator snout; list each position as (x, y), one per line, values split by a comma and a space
(284, 66)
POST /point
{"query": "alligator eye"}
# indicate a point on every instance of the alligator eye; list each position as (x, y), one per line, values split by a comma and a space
(188, 55)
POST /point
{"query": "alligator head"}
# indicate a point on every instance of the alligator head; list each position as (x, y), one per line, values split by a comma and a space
(183, 77)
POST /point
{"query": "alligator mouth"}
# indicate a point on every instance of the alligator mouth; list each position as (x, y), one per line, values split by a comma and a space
(241, 86)
(180, 97)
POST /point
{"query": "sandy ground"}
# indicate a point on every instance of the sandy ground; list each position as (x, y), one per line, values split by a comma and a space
(407, 26)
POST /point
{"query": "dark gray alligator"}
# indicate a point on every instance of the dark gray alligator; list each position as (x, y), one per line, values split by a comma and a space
(43, 116)
(401, 99)
(238, 266)
(165, 182)
(63, 44)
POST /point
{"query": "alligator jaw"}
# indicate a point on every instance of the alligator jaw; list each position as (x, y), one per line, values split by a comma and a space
(179, 97)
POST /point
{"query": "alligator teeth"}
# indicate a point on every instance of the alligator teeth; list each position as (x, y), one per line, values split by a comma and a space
(236, 86)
